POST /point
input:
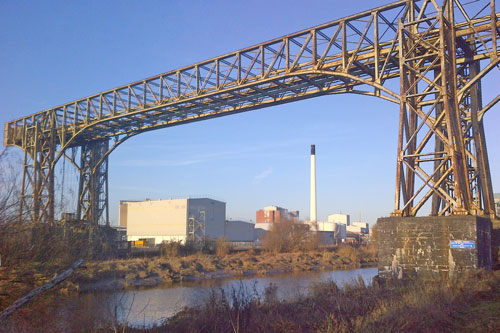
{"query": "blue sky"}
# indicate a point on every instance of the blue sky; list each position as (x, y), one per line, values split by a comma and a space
(54, 52)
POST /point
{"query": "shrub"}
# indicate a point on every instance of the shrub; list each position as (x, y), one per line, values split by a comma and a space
(54, 243)
(311, 242)
(189, 247)
(348, 252)
(286, 236)
(170, 249)
(469, 303)
(222, 246)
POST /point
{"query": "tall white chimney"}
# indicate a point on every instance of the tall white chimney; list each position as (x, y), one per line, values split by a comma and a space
(313, 184)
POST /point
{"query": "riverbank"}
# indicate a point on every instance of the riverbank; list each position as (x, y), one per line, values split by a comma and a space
(150, 272)
(108, 311)
(470, 303)
(122, 274)
(17, 281)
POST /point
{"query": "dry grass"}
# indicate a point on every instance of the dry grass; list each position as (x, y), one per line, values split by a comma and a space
(53, 244)
(116, 274)
(470, 303)
(32, 254)
(133, 272)
(222, 246)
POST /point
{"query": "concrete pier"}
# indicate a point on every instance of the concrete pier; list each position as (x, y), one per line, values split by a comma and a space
(445, 246)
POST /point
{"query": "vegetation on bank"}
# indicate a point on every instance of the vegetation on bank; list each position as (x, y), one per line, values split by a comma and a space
(287, 247)
(123, 273)
(32, 254)
(466, 303)
(289, 236)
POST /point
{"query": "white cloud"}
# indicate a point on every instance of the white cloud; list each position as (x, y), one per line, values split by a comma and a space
(137, 189)
(157, 163)
(253, 151)
(263, 175)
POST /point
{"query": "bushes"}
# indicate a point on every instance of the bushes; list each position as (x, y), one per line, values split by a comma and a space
(224, 311)
(174, 249)
(170, 249)
(54, 243)
(348, 252)
(290, 235)
(466, 304)
(222, 246)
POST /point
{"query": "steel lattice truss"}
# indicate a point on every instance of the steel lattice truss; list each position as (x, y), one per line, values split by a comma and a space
(435, 49)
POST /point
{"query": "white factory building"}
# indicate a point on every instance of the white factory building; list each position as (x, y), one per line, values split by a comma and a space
(340, 218)
(181, 220)
(332, 232)
(351, 227)
(358, 228)
(338, 228)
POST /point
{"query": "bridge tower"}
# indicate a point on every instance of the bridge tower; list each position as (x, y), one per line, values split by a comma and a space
(37, 189)
(441, 134)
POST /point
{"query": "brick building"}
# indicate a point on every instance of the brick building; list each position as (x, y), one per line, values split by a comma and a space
(274, 214)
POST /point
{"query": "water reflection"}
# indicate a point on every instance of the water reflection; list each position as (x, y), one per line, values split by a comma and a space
(147, 307)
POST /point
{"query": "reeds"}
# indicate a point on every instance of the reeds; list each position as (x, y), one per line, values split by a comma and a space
(403, 306)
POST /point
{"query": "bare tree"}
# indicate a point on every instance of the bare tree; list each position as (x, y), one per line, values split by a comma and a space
(290, 235)
(9, 186)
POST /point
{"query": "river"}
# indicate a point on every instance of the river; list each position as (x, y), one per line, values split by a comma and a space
(147, 307)
(150, 306)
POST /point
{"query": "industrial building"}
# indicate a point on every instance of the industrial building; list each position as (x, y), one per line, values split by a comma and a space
(275, 214)
(340, 218)
(358, 227)
(181, 219)
(265, 226)
(173, 220)
(239, 231)
(339, 229)
(332, 232)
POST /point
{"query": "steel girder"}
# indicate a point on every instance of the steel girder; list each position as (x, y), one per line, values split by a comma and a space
(37, 187)
(359, 54)
(356, 54)
(441, 151)
(92, 165)
(93, 188)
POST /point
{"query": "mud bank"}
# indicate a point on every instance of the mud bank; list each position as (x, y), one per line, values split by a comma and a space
(122, 274)
(152, 272)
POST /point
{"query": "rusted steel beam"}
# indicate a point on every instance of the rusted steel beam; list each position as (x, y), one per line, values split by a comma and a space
(407, 39)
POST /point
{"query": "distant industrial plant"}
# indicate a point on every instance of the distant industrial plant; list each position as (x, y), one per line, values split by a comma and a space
(181, 220)
(200, 219)
(275, 214)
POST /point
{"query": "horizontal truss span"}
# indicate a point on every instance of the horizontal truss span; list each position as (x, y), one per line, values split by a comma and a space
(356, 54)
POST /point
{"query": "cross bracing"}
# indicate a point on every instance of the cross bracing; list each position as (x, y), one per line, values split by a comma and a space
(422, 43)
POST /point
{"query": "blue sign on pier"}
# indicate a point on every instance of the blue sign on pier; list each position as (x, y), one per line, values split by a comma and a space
(462, 244)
